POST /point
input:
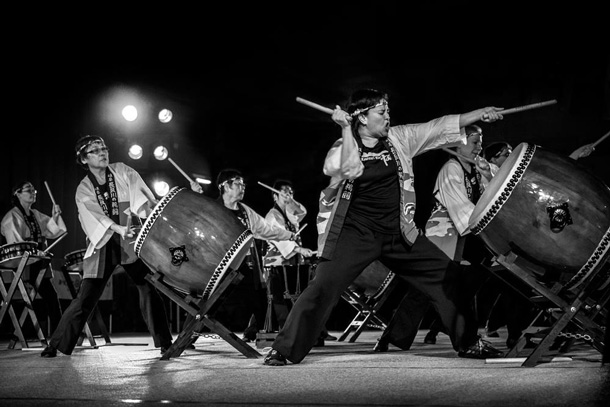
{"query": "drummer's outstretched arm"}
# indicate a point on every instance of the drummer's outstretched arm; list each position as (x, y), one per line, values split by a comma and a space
(486, 114)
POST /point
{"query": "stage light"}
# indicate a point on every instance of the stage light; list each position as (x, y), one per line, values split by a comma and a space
(130, 113)
(165, 116)
(160, 153)
(161, 188)
(200, 179)
(135, 152)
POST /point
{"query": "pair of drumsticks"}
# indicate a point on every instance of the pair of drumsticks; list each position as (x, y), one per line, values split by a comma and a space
(503, 112)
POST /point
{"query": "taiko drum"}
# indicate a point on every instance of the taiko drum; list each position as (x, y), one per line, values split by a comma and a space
(548, 210)
(192, 241)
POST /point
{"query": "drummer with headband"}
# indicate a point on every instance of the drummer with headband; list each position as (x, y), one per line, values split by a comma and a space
(23, 223)
(105, 197)
(285, 259)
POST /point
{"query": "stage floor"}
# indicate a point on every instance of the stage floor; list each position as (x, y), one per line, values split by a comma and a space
(130, 371)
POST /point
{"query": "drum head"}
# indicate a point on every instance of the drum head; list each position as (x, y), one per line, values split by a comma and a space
(496, 187)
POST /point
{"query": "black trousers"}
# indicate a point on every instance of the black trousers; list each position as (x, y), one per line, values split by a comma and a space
(76, 315)
(422, 265)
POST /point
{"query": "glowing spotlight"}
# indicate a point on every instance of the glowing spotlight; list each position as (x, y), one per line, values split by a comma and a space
(165, 116)
(135, 152)
(161, 188)
(160, 153)
(202, 180)
(130, 113)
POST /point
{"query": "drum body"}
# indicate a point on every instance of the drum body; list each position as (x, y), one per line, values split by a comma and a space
(548, 210)
(192, 241)
(74, 260)
(11, 254)
(373, 281)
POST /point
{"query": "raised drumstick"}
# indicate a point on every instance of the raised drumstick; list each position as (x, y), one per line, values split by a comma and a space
(315, 105)
(179, 169)
(50, 194)
(463, 157)
(55, 242)
(602, 138)
(527, 107)
(301, 229)
(270, 188)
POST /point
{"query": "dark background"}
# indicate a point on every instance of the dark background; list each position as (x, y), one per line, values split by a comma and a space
(231, 73)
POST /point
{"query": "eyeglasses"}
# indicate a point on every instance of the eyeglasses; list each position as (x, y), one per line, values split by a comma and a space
(238, 182)
(98, 151)
(287, 191)
(29, 191)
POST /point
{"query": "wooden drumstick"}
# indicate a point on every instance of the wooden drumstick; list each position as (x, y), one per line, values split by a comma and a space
(315, 105)
(463, 157)
(55, 242)
(270, 188)
(50, 194)
(180, 169)
(602, 138)
(527, 107)
(300, 230)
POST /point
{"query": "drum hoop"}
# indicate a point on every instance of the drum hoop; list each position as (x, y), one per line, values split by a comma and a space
(150, 221)
(493, 207)
(224, 264)
(595, 259)
(388, 279)
(73, 253)
(25, 243)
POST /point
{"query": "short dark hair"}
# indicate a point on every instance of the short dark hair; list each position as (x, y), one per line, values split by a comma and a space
(472, 129)
(278, 184)
(226, 175)
(363, 99)
(17, 188)
(81, 148)
(493, 149)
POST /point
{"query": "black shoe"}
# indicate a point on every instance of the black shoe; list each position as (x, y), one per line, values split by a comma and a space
(319, 343)
(49, 352)
(481, 350)
(380, 346)
(430, 338)
(274, 358)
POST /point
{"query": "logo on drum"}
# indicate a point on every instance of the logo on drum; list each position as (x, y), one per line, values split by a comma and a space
(559, 216)
(178, 255)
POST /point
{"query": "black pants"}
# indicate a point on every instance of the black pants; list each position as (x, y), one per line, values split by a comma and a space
(422, 265)
(76, 315)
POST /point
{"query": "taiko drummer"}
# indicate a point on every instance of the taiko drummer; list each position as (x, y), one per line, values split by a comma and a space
(22, 223)
(105, 197)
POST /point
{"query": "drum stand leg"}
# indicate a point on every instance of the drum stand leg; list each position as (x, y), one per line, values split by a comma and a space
(7, 296)
(202, 311)
(367, 312)
(565, 311)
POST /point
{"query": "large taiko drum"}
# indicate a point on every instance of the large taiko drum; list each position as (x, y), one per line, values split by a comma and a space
(549, 211)
(12, 253)
(373, 281)
(192, 241)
